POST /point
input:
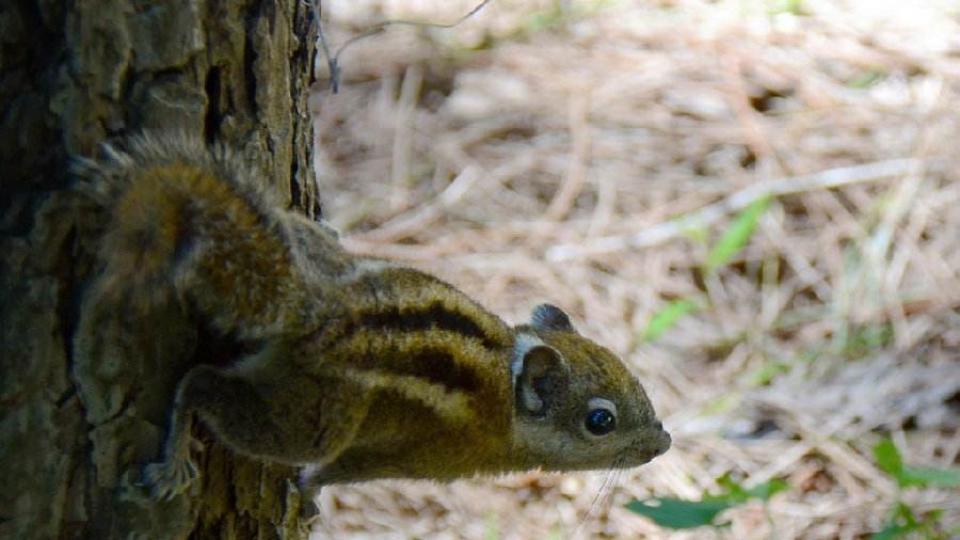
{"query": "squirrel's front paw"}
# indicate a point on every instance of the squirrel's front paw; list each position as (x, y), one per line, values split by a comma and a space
(175, 475)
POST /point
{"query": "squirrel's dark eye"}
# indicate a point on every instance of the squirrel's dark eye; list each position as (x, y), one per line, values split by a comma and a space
(601, 421)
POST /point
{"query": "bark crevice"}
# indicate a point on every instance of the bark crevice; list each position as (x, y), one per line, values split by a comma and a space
(85, 393)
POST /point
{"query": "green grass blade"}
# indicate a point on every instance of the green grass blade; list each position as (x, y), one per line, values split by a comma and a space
(667, 317)
(888, 458)
(929, 477)
(767, 490)
(737, 236)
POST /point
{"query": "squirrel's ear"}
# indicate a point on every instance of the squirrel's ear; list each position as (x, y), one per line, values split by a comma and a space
(550, 317)
(540, 378)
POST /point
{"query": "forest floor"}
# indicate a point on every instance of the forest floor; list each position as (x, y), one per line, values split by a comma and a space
(774, 185)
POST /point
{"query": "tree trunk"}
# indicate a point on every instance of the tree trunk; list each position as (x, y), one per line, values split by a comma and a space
(75, 432)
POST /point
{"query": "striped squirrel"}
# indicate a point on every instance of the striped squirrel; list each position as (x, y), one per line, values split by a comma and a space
(361, 368)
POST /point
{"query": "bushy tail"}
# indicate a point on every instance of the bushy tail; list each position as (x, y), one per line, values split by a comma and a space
(188, 223)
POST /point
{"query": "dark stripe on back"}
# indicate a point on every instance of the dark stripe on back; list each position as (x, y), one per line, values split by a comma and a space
(434, 317)
(439, 367)
(435, 366)
(432, 362)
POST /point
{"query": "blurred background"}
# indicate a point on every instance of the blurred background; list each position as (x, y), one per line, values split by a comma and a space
(755, 202)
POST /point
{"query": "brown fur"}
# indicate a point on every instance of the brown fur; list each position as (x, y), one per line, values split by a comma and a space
(364, 369)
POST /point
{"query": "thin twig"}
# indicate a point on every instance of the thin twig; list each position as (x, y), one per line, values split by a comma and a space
(578, 119)
(333, 63)
(712, 213)
(425, 214)
(322, 41)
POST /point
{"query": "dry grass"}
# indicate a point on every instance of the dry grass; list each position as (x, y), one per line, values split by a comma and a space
(534, 154)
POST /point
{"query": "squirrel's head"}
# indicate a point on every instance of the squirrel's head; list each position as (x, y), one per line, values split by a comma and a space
(577, 405)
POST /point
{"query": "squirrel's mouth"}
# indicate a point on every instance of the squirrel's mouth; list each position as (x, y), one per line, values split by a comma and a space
(663, 441)
(652, 443)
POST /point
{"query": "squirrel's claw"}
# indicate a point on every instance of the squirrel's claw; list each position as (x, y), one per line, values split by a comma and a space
(176, 474)
(169, 479)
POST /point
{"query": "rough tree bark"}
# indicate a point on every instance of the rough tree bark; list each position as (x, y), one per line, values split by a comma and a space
(75, 433)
